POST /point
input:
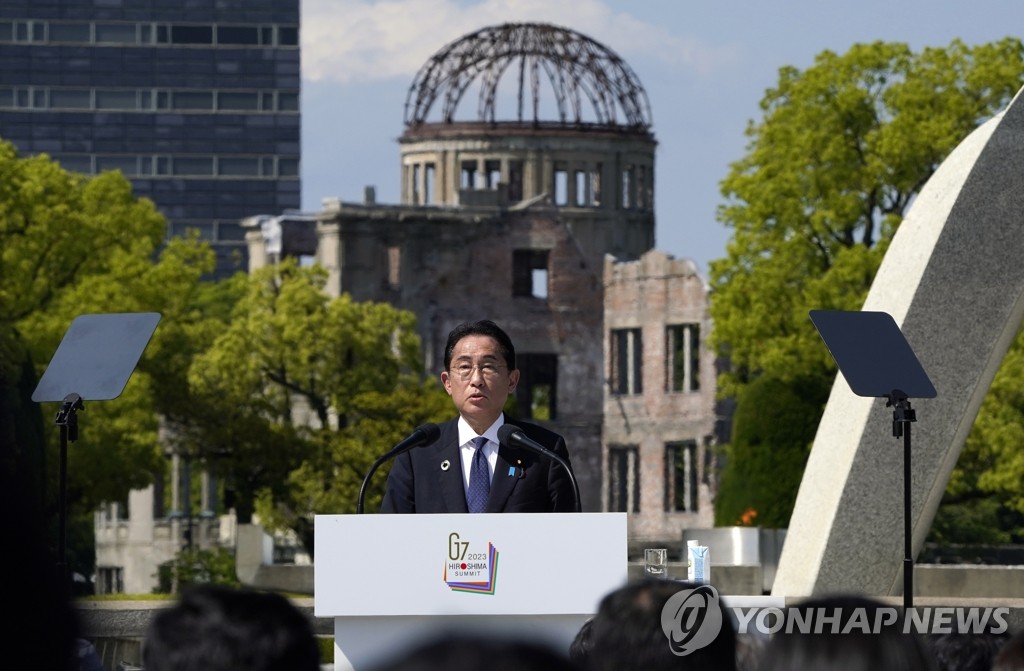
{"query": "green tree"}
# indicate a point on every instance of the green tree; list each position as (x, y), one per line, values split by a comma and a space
(984, 501)
(842, 150)
(309, 390)
(191, 567)
(775, 424)
(71, 245)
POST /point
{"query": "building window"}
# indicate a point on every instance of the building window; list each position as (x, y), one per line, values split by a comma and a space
(265, 167)
(468, 179)
(623, 479)
(75, 162)
(530, 273)
(116, 99)
(191, 34)
(515, 181)
(492, 172)
(629, 187)
(595, 185)
(394, 267)
(238, 35)
(29, 31)
(70, 99)
(229, 232)
(287, 167)
(681, 477)
(649, 188)
(115, 33)
(41, 97)
(580, 183)
(193, 166)
(70, 32)
(561, 184)
(682, 357)
(287, 36)
(239, 101)
(287, 102)
(238, 166)
(626, 361)
(193, 100)
(127, 164)
(538, 382)
(428, 183)
(110, 580)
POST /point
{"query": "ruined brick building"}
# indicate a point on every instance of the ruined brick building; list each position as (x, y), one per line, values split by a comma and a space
(537, 211)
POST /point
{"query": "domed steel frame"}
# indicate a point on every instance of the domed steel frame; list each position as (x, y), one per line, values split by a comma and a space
(577, 67)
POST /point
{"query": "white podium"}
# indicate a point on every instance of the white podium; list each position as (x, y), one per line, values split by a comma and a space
(390, 581)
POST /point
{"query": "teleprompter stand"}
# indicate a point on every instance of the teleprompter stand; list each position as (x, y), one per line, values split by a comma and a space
(877, 361)
(93, 362)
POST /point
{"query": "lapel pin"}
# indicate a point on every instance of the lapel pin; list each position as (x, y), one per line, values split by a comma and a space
(511, 471)
(445, 465)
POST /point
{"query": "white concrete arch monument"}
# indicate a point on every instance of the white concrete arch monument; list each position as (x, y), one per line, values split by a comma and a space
(953, 280)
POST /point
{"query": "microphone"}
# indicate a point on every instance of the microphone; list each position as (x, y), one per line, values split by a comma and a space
(421, 435)
(512, 436)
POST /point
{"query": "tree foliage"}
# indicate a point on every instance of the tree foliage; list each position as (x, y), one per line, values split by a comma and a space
(842, 150)
(830, 171)
(984, 501)
(72, 245)
(308, 390)
(775, 424)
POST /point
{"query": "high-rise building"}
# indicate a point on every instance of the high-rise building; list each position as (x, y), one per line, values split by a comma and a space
(195, 101)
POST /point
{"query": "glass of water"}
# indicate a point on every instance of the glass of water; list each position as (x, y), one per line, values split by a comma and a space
(656, 563)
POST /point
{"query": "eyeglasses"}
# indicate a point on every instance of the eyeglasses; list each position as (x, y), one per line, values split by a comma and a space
(488, 369)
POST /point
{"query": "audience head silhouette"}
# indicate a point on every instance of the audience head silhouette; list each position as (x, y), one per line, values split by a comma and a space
(855, 650)
(1011, 655)
(219, 628)
(967, 651)
(470, 652)
(628, 632)
(579, 648)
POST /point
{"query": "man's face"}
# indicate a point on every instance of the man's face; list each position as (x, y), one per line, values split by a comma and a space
(478, 380)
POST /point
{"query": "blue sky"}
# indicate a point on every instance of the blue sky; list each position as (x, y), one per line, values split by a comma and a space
(705, 66)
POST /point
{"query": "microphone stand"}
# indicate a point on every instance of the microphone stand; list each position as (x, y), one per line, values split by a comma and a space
(572, 477)
(366, 479)
(515, 435)
(423, 434)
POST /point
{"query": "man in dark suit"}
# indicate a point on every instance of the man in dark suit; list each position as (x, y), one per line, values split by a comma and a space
(454, 474)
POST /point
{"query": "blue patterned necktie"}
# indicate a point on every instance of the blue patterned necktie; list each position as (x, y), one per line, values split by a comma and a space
(479, 478)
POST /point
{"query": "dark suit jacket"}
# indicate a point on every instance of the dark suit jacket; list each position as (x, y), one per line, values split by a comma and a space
(523, 481)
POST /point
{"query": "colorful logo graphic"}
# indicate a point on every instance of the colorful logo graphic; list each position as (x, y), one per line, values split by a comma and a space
(469, 571)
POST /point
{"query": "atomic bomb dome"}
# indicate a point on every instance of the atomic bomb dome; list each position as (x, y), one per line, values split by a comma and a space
(557, 115)
(589, 84)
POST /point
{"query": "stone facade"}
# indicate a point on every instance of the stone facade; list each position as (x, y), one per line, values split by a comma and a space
(659, 418)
